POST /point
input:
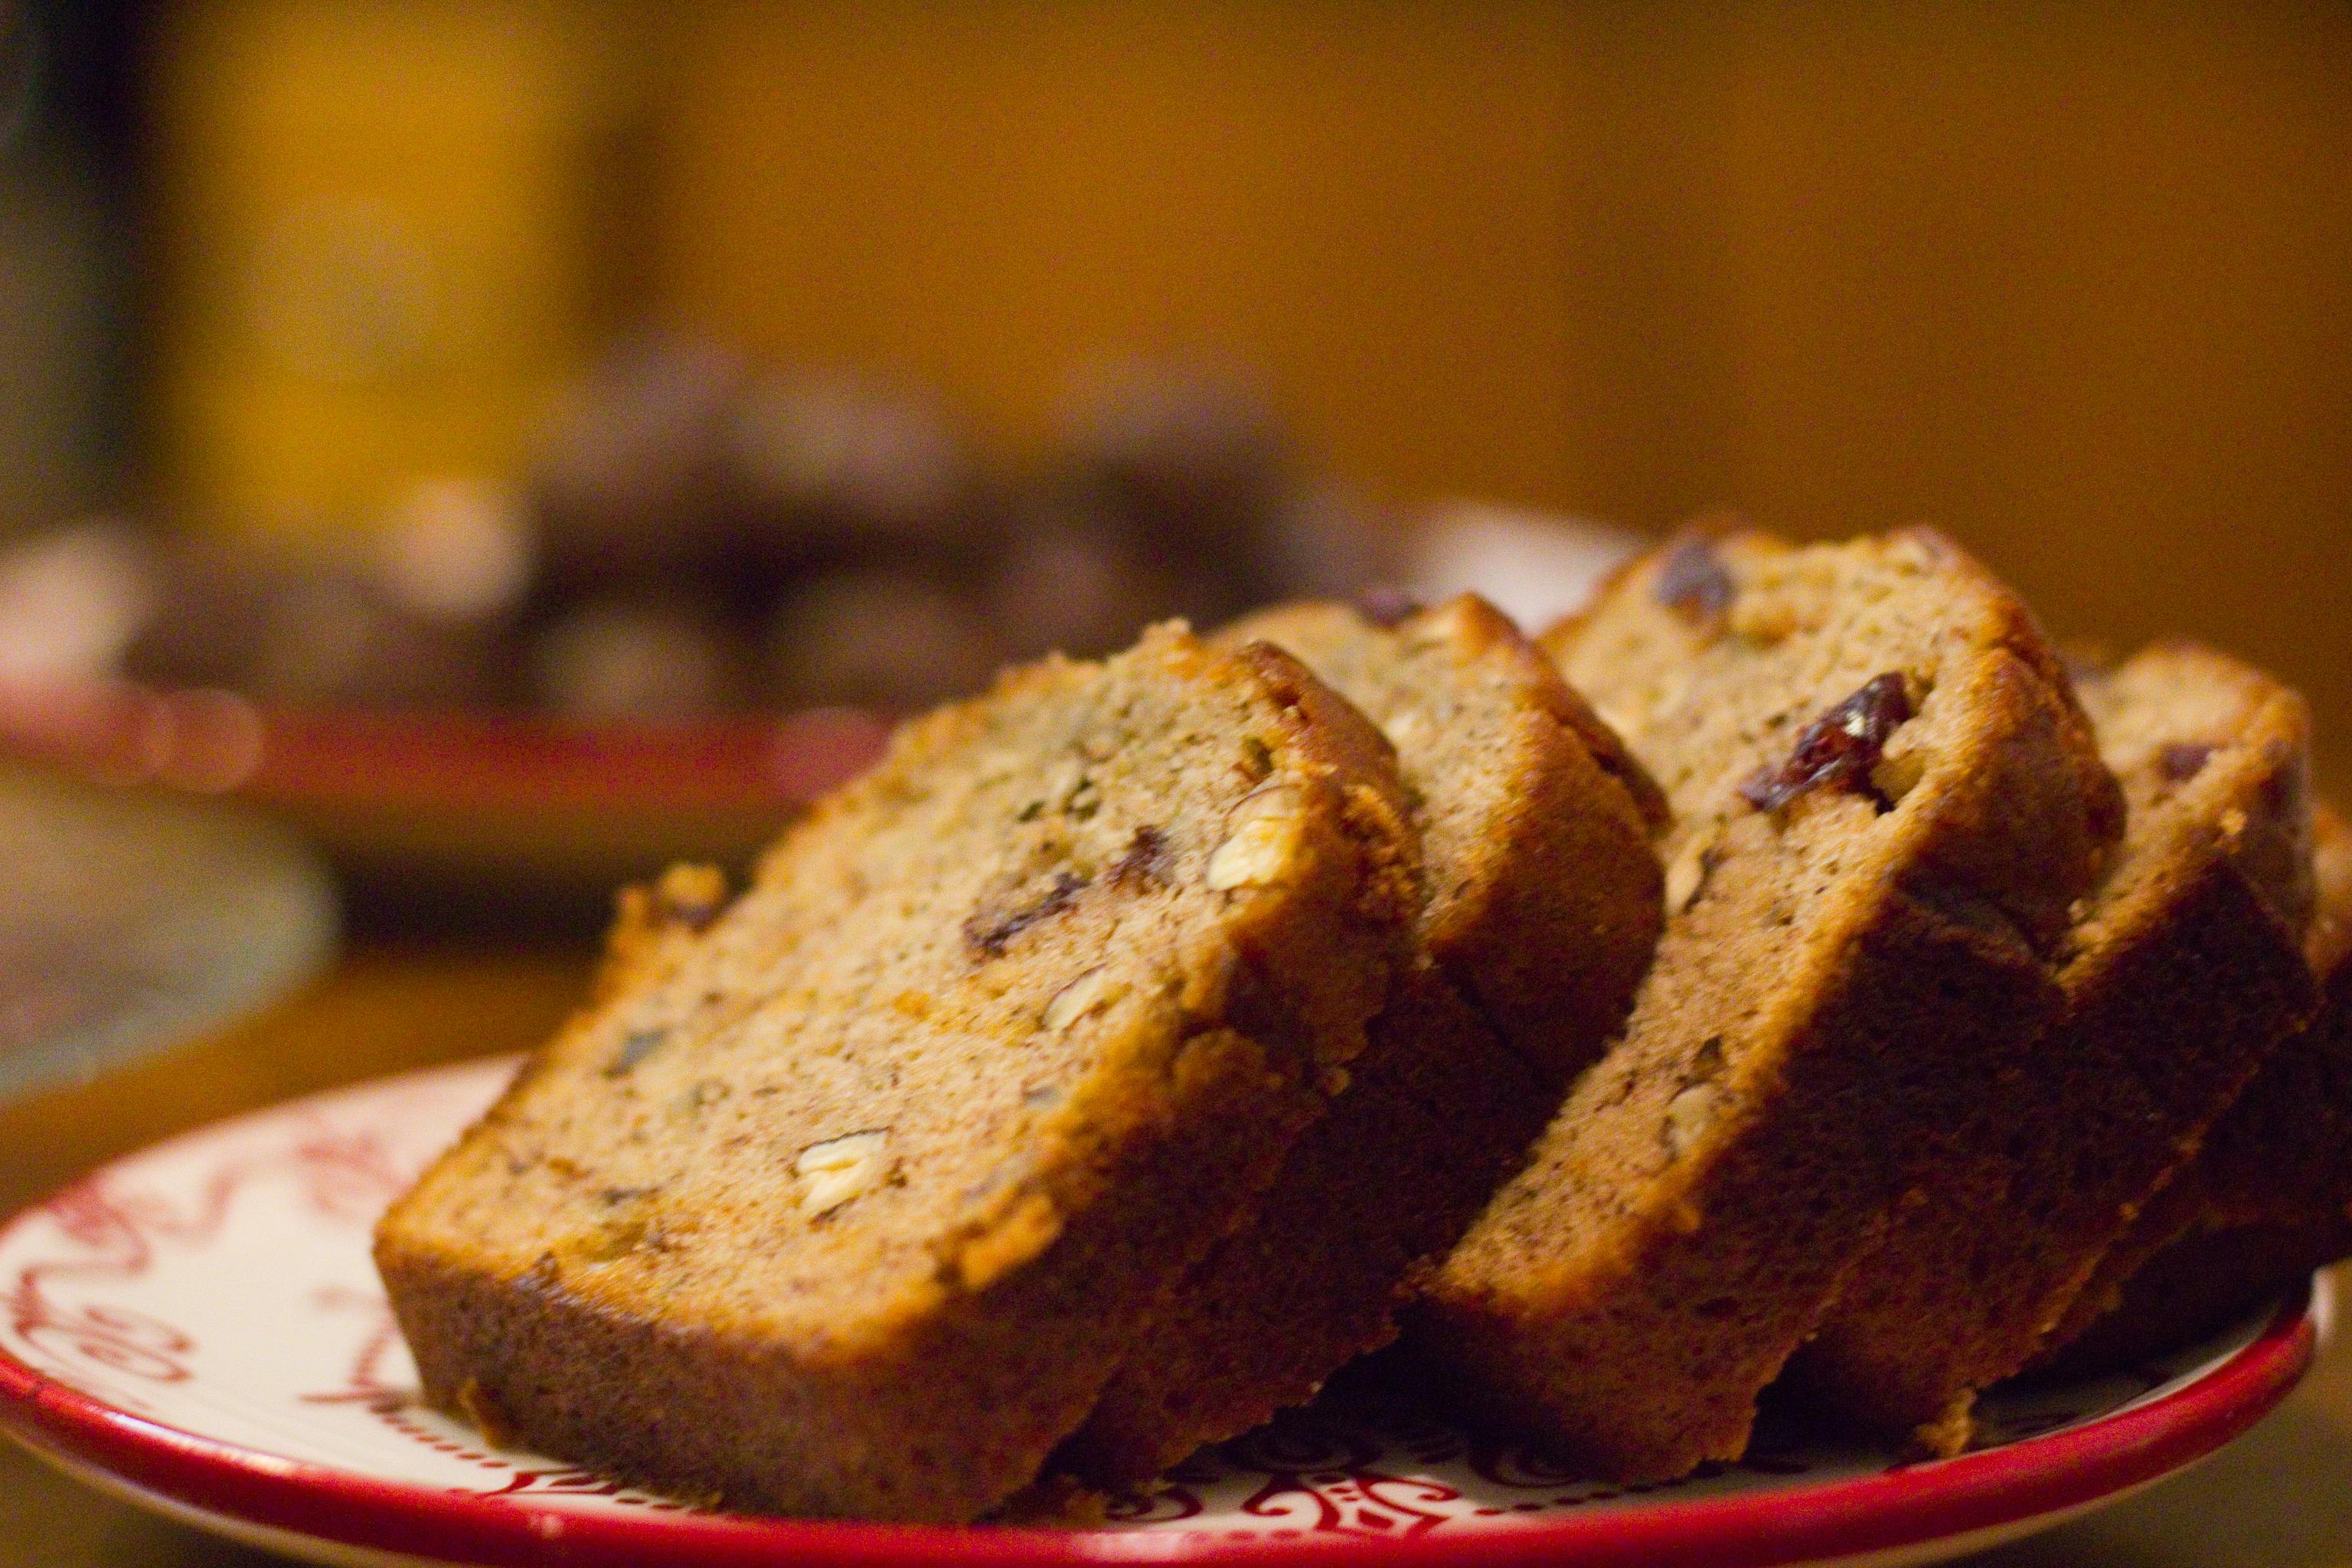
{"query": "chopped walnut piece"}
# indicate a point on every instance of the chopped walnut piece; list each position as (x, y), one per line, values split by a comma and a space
(1686, 877)
(1260, 834)
(1095, 989)
(1687, 1116)
(840, 1169)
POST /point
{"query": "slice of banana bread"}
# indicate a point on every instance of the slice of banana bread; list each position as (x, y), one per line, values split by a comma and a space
(849, 1204)
(2269, 1197)
(1543, 889)
(2283, 1151)
(1542, 913)
(1885, 799)
(2181, 973)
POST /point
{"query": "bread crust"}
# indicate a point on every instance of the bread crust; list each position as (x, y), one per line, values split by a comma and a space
(698, 1363)
(1647, 1363)
(2182, 975)
(1627, 1311)
(2273, 1167)
(1437, 1113)
(1543, 921)
(2202, 1281)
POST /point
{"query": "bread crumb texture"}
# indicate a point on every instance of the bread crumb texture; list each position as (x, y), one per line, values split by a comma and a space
(846, 1200)
(1884, 801)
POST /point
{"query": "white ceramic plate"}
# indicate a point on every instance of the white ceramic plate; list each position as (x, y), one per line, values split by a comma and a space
(197, 1327)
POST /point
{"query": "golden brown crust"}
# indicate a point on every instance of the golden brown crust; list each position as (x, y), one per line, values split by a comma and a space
(1648, 1361)
(2273, 1164)
(1547, 912)
(1327, 965)
(1839, 973)
(652, 924)
(1436, 1114)
(2279, 1157)
(1109, 1027)
(940, 1429)
(2183, 970)
(2203, 1280)
(1553, 921)
(1532, 843)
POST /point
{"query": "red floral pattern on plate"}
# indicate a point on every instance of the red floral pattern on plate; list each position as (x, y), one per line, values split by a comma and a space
(219, 1286)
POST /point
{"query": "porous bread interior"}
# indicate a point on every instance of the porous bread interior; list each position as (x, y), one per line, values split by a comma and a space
(2178, 974)
(2270, 1182)
(1456, 731)
(1783, 895)
(845, 995)
(2181, 695)
(1531, 845)
(1543, 885)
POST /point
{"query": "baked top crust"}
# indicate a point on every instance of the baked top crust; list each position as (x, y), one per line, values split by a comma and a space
(888, 1158)
(2181, 971)
(1885, 799)
(1543, 910)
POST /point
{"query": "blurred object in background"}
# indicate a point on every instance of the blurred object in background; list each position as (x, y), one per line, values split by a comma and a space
(631, 366)
(876, 639)
(1535, 566)
(59, 284)
(2070, 281)
(634, 484)
(74, 600)
(699, 534)
(130, 926)
(384, 245)
(605, 661)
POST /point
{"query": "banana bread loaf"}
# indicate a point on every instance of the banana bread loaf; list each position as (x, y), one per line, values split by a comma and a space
(1885, 799)
(849, 1203)
(1543, 912)
(2181, 973)
(2269, 1197)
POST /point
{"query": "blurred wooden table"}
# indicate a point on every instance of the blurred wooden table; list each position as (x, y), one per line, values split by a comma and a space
(2280, 1498)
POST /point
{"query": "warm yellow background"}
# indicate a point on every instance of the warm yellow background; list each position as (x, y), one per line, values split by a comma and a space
(373, 215)
(2075, 281)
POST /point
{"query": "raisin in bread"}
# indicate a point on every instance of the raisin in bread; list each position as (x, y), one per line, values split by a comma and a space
(1543, 912)
(849, 1204)
(2269, 1197)
(2181, 973)
(1885, 799)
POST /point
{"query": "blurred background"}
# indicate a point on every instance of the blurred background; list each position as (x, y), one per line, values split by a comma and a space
(518, 441)
(710, 338)
(469, 451)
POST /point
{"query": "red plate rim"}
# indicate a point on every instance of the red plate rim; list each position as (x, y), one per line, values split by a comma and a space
(1906, 1506)
(214, 742)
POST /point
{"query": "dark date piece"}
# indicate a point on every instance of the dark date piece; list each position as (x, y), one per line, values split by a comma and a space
(1693, 582)
(1837, 749)
(990, 937)
(1144, 862)
(1384, 605)
(2181, 761)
